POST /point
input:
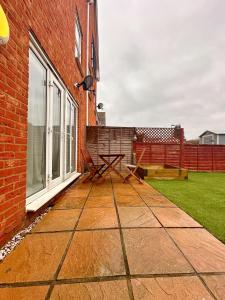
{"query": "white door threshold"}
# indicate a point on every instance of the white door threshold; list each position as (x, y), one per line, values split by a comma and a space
(39, 202)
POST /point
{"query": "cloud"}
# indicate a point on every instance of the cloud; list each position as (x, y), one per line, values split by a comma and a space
(163, 62)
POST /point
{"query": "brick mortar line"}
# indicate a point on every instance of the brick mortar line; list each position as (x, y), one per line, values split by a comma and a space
(176, 245)
(129, 285)
(68, 246)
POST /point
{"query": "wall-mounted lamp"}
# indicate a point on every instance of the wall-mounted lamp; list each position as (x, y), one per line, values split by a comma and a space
(100, 106)
(4, 27)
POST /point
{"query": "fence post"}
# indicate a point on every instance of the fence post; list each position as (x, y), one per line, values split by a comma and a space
(181, 146)
(164, 154)
(197, 156)
(212, 150)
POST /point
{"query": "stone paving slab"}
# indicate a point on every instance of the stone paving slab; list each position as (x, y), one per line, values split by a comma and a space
(70, 202)
(101, 192)
(125, 192)
(168, 288)
(78, 192)
(216, 284)
(24, 293)
(99, 201)
(35, 259)
(137, 217)
(108, 290)
(94, 253)
(203, 250)
(151, 251)
(58, 220)
(174, 217)
(133, 200)
(145, 190)
(157, 200)
(93, 218)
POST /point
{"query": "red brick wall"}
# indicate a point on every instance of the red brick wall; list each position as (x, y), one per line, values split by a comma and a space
(53, 24)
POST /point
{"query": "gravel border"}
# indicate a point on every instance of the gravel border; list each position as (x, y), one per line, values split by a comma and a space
(15, 241)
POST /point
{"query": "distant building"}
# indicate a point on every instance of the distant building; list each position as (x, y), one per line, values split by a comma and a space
(212, 138)
(101, 118)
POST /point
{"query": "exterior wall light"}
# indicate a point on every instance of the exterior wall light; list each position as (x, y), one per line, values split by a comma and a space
(4, 27)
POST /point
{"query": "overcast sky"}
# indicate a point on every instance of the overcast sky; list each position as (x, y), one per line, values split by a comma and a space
(162, 62)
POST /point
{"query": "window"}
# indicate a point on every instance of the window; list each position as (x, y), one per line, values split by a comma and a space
(52, 129)
(78, 40)
(208, 139)
(37, 124)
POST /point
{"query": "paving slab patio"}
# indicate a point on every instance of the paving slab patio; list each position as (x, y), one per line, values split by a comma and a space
(170, 288)
(216, 284)
(99, 201)
(151, 251)
(24, 293)
(157, 200)
(174, 217)
(35, 259)
(110, 240)
(58, 220)
(70, 202)
(113, 290)
(129, 200)
(137, 217)
(202, 249)
(78, 193)
(93, 218)
(94, 254)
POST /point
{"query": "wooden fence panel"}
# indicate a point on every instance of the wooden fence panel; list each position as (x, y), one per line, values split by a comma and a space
(159, 153)
(169, 148)
(195, 157)
(110, 140)
(204, 157)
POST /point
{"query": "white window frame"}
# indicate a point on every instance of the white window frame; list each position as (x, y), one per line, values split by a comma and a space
(54, 80)
(208, 136)
(78, 40)
(68, 174)
(53, 187)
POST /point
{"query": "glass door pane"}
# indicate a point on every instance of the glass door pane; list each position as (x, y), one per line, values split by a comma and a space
(56, 132)
(37, 110)
(68, 135)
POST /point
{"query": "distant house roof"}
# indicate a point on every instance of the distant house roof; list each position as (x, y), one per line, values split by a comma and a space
(211, 132)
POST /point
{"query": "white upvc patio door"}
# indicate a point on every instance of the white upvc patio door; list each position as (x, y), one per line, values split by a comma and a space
(37, 126)
(55, 132)
(52, 131)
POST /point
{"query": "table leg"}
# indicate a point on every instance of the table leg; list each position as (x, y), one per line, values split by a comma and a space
(111, 167)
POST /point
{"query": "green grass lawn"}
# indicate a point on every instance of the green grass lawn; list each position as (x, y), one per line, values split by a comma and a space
(202, 196)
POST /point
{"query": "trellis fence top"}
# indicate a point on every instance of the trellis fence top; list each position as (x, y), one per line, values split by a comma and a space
(159, 135)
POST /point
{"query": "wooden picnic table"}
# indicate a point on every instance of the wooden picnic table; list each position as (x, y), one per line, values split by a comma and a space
(111, 165)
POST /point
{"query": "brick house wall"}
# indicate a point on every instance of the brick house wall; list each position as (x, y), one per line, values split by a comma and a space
(53, 25)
